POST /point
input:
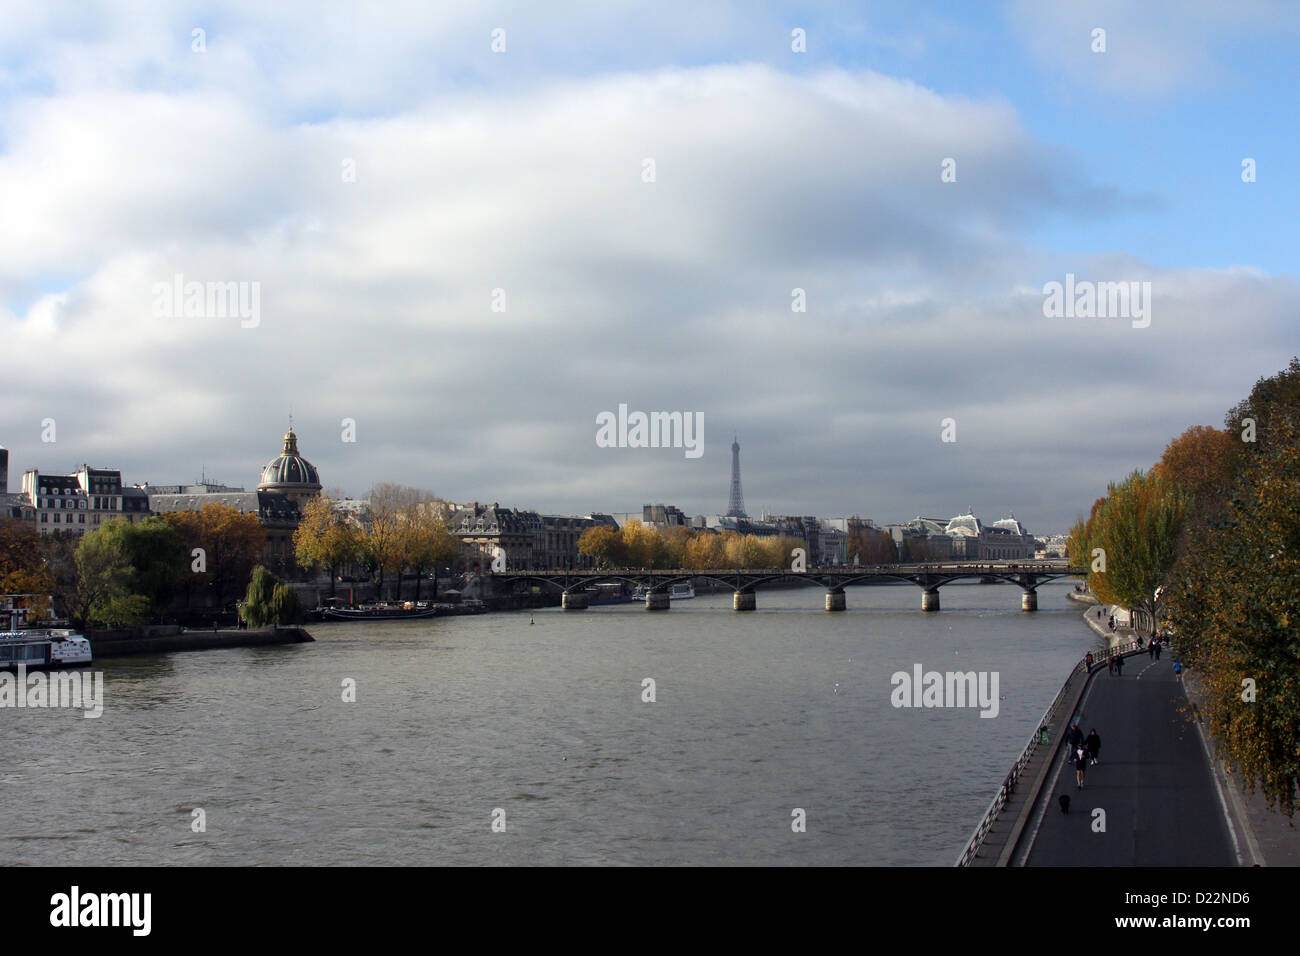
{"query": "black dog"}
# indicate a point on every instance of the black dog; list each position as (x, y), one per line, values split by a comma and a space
(1064, 800)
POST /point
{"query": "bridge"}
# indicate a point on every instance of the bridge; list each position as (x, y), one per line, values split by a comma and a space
(575, 585)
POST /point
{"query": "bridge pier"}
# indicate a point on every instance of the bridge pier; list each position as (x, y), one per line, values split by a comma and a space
(574, 600)
(1029, 600)
(930, 599)
(657, 601)
(744, 601)
(835, 600)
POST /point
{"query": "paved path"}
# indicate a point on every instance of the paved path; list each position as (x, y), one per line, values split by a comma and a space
(1161, 802)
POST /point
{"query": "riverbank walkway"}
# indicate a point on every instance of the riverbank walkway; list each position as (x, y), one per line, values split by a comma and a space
(1152, 800)
(1158, 795)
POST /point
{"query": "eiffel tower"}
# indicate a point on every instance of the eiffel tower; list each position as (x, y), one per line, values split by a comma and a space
(736, 503)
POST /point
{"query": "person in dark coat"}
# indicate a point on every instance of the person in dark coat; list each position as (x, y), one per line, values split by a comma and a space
(1092, 743)
(1073, 741)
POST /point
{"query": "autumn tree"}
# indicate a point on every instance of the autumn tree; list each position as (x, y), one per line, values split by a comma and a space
(675, 540)
(602, 544)
(230, 545)
(1235, 599)
(1202, 462)
(382, 547)
(1138, 529)
(22, 568)
(426, 542)
(642, 546)
(325, 539)
(871, 545)
(705, 551)
(1077, 551)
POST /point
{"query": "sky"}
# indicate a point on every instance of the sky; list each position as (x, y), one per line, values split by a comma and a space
(461, 256)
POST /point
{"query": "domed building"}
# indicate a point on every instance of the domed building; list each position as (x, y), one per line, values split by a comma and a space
(290, 474)
(288, 482)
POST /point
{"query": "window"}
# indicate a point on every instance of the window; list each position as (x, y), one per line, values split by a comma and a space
(44, 517)
(56, 517)
(81, 519)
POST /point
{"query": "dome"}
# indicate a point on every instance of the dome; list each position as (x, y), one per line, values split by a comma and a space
(290, 471)
(966, 524)
(1011, 524)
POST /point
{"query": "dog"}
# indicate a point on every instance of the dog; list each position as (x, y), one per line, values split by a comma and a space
(1064, 800)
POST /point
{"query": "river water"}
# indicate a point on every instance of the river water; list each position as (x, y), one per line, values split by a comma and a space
(460, 721)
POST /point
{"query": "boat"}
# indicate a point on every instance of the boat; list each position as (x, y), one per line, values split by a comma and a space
(381, 612)
(43, 648)
(682, 591)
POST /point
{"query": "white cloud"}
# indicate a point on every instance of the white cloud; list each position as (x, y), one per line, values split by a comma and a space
(670, 295)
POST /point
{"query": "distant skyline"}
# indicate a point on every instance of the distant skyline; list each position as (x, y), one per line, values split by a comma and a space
(466, 254)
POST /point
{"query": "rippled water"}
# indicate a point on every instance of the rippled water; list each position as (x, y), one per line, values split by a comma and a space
(756, 714)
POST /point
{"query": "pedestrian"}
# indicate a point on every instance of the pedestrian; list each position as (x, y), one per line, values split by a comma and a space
(1110, 664)
(1178, 670)
(1119, 665)
(1073, 741)
(1159, 646)
(1088, 660)
(1080, 765)
(1151, 650)
(1093, 745)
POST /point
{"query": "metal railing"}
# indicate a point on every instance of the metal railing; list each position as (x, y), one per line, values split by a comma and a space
(1009, 784)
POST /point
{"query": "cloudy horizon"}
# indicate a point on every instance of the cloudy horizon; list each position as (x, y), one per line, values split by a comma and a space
(471, 255)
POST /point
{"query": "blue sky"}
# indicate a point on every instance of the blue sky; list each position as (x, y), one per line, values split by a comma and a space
(126, 157)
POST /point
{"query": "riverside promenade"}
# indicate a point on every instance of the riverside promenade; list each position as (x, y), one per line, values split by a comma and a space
(1156, 797)
(1153, 789)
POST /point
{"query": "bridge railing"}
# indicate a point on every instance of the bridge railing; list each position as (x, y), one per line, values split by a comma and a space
(1009, 784)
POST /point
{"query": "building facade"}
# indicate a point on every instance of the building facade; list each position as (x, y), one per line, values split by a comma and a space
(79, 502)
(287, 482)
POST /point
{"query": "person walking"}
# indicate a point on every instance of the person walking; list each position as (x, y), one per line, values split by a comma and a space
(1151, 649)
(1088, 660)
(1093, 745)
(1159, 647)
(1119, 665)
(1073, 741)
(1080, 765)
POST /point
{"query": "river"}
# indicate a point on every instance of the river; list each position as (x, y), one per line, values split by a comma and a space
(542, 727)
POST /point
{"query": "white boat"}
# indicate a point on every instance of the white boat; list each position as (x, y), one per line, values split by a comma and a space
(36, 648)
(678, 592)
